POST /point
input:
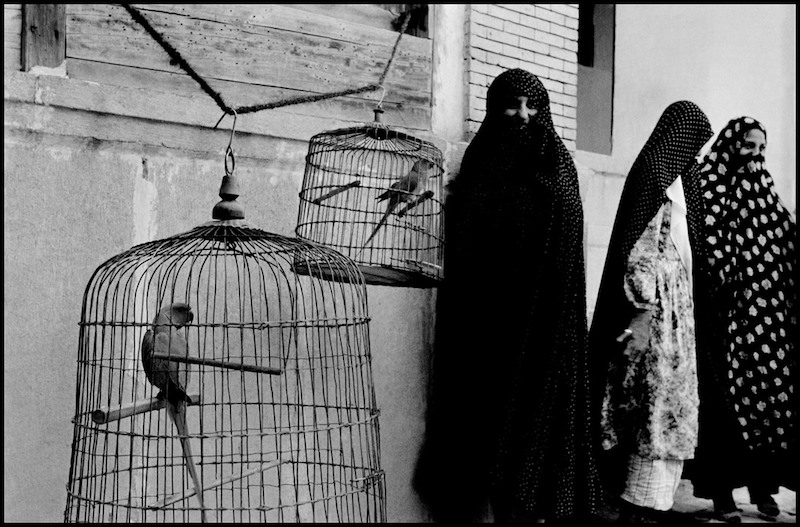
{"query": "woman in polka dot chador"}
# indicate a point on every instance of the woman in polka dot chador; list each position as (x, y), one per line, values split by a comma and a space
(509, 419)
(643, 331)
(747, 340)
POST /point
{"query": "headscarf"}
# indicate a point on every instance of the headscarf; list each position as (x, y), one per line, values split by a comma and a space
(669, 153)
(510, 388)
(498, 147)
(751, 240)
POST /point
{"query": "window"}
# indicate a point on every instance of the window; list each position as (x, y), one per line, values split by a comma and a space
(586, 35)
(595, 77)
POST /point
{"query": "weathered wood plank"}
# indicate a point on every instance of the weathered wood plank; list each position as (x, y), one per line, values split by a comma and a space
(43, 35)
(12, 17)
(11, 41)
(351, 108)
(366, 14)
(12, 25)
(274, 57)
(187, 112)
(332, 26)
(12, 37)
(12, 59)
(281, 39)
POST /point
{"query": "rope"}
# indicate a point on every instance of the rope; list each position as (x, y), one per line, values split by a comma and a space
(306, 98)
(185, 66)
(396, 44)
(177, 58)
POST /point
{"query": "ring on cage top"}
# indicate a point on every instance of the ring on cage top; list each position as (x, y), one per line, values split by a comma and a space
(264, 376)
(375, 194)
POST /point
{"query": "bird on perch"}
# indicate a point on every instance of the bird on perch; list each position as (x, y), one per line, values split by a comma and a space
(171, 377)
(403, 191)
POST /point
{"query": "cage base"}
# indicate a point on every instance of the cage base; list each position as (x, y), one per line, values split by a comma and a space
(373, 274)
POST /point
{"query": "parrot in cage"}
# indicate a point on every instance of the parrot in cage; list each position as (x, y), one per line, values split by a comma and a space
(171, 377)
(403, 191)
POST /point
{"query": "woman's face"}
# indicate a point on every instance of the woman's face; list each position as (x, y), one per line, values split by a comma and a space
(752, 149)
(520, 109)
(754, 143)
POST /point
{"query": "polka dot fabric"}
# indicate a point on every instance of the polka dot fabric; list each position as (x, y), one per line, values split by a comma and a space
(670, 150)
(515, 287)
(751, 255)
(668, 153)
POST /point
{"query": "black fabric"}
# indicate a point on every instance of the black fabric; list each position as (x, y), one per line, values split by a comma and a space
(747, 415)
(508, 409)
(669, 152)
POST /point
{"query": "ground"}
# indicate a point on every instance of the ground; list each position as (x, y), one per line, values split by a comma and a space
(703, 509)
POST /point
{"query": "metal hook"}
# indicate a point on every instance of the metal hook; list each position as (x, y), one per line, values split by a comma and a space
(383, 94)
(229, 155)
(229, 149)
(233, 127)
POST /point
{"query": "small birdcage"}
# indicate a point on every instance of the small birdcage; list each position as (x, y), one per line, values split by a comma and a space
(374, 194)
(280, 411)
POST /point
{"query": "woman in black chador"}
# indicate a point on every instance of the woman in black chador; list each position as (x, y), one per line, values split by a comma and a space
(509, 410)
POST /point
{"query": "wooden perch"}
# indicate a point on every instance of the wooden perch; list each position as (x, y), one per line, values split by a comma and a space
(428, 194)
(335, 191)
(188, 493)
(218, 363)
(107, 414)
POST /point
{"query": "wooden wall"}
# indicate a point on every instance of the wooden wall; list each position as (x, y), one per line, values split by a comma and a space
(12, 36)
(251, 54)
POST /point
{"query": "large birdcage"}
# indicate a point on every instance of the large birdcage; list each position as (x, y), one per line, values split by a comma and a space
(280, 411)
(375, 194)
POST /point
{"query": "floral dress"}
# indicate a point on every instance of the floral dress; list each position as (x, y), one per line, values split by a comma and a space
(651, 403)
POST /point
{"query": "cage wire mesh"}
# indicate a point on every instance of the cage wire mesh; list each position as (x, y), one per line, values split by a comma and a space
(374, 194)
(281, 414)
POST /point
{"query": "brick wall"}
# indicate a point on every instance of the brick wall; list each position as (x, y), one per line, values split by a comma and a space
(540, 38)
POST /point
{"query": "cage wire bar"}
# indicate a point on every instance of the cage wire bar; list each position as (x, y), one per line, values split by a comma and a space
(282, 418)
(347, 172)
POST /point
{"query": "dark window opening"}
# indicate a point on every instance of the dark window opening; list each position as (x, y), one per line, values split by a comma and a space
(417, 25)
(595, 78)
(586, 34)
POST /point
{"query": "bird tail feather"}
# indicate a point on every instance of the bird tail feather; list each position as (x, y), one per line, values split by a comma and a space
(378, 226)
(178, 413)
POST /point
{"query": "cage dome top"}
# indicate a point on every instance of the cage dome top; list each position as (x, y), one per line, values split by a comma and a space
(376, 137)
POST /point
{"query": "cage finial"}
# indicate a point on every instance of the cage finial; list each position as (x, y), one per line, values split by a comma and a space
(379, 108)
(228, 208)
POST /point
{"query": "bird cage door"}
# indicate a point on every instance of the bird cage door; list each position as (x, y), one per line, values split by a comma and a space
(375, 195)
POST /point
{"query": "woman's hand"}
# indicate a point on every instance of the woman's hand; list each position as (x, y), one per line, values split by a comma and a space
(638, 330)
